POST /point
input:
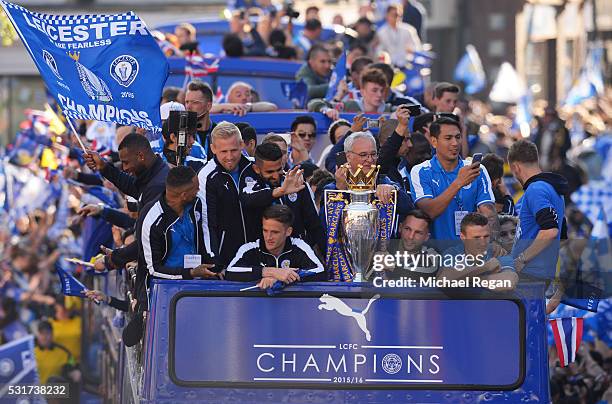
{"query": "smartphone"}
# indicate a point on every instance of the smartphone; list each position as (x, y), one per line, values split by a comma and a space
(477, 158)
(372, 123)
(340, 158)
(415, 109)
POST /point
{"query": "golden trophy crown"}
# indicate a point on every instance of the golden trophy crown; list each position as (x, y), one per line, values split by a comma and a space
(74, 55)
(361, 180)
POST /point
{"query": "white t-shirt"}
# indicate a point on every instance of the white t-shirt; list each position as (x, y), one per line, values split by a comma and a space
(397, 41)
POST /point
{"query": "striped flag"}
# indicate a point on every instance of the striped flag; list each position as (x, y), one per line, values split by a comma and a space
(196, 66)
(567, 333)
(219, 97)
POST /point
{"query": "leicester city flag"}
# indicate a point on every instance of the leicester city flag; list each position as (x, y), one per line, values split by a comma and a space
(296, 92)
(98, 67)
(18, 367)
(338, 74)
(70, 285)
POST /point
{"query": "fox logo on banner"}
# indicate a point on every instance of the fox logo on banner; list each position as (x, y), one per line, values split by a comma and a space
(98, 67)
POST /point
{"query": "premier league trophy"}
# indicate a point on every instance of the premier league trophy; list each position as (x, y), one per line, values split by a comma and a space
(356, 223)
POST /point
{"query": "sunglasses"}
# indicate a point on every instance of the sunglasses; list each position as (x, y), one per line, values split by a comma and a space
(305, 135)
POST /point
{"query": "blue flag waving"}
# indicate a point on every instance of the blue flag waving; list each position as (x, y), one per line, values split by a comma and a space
(296, 92)
(98, 67)
(279, 286)
(594, 275)
(70, 285)
(338, 74)
(470, 71)
(590, 83)
(18, 366)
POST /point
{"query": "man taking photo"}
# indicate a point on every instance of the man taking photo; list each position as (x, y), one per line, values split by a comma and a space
(447, 188)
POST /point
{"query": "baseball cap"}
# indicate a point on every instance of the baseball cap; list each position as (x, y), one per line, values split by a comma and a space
(164, 109)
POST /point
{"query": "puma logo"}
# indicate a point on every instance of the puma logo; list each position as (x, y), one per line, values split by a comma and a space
(332, 303)
(436, 182)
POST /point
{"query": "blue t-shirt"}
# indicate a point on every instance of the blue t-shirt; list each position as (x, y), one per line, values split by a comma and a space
(183, 240)
(430, 180)
(538, 195)
(236, 176)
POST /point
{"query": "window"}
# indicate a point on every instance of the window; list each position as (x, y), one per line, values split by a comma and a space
(497, 21)
(497, 48)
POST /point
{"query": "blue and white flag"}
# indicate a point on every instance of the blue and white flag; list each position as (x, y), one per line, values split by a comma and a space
(594, 275)
(338, 74)
(70, 285)
(279, 286)
(523, 117)
(296, 92)
(98, 67)
(567, 333)
(414, 81)
(420, 59)
(590, 83)
(470, 71)
(18, 366)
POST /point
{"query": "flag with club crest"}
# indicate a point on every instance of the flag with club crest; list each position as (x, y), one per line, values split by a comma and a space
(18, 367)
(97, 67)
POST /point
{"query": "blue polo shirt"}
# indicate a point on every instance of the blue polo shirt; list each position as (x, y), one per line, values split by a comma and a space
(183, 240)
(538, 195)
(430, 180)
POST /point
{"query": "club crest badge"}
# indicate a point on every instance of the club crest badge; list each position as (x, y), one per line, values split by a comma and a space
(286, 264)
(7, 367)
(124, 70)
(50, 61)
(292, 197)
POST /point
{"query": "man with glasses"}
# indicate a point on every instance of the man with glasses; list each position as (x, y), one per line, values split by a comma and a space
(303, 136)
(199, 99)
(360, 149)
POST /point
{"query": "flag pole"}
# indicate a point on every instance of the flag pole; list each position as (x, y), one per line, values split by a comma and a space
(250, 287)
(76, 134)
